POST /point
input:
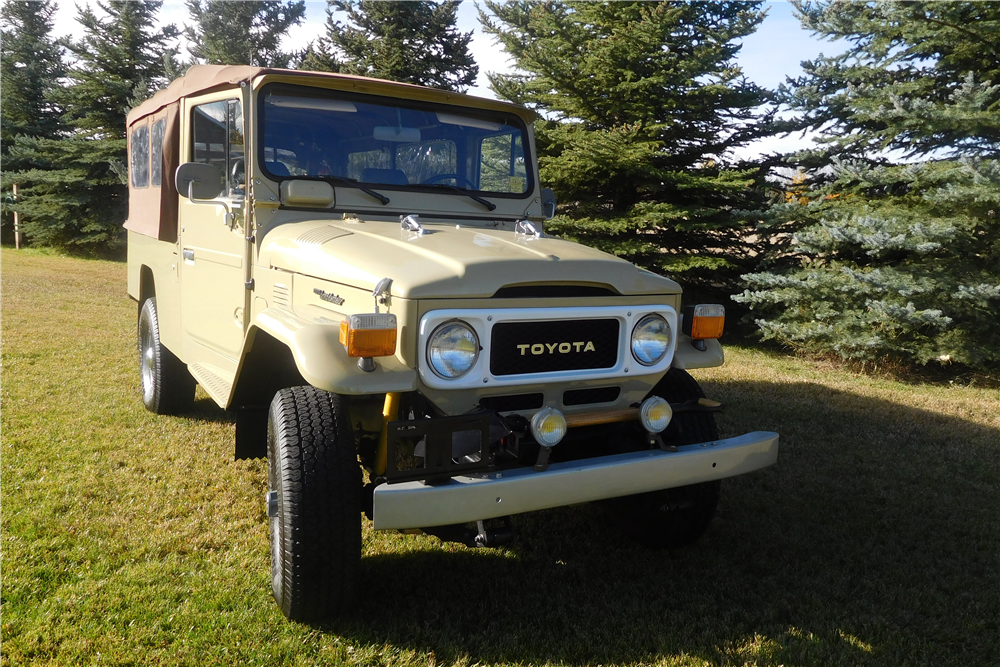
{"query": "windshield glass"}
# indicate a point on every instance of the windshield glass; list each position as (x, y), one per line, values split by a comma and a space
(388, 142)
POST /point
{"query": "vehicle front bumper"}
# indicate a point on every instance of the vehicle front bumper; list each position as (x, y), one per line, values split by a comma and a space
(484, 496)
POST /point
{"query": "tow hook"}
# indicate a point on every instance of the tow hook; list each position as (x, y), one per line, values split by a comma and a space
(478, 537)
(495, 537)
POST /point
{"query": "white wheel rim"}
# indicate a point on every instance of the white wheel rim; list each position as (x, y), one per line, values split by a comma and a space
(147, 364)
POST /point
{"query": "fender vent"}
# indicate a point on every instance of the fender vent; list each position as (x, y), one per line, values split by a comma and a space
(319, 236)
(280, 295)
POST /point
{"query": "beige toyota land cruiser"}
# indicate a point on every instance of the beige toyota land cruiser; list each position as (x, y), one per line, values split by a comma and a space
(358, 269)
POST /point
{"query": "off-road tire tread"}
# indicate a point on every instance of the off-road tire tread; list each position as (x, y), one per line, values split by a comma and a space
(679, 528)
(311, 447)
(173, 384)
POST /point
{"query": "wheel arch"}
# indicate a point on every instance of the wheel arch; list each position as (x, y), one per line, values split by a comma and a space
(267, 366)
(147, 284)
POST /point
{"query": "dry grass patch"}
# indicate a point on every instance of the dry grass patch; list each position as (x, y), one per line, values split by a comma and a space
(133, 539)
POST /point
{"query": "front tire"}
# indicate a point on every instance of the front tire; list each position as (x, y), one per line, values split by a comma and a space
(314, 483)
(676, 517)
(167, 385)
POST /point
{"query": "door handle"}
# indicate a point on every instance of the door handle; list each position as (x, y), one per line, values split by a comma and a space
(188, 254)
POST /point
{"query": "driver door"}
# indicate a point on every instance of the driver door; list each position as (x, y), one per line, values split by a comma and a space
(213, 248)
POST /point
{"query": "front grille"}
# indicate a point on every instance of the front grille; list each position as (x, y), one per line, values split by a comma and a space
(588, 396)
(512, 402)
(563, 345)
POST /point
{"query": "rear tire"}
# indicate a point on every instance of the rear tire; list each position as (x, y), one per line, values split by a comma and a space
(314, 508)
(167, 385)
(676, 517)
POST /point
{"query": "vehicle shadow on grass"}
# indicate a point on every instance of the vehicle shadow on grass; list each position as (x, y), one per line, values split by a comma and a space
(205, 409)
(874, 540)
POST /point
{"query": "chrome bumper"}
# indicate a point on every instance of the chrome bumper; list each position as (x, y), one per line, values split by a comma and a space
(484, 496)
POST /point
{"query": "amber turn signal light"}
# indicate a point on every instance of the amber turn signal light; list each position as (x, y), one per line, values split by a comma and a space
(369, 335)
(704, 321)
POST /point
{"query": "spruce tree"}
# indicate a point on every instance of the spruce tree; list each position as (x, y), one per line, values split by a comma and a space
(242, 33)
(76, 194)
(893, 260)
(414, 42)
(642, 105)
(30, 68)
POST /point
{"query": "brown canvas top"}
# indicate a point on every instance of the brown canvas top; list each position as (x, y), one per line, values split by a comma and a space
(153, 209)
(205, 78)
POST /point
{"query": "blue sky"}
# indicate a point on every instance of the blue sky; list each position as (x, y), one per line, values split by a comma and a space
(767, 57)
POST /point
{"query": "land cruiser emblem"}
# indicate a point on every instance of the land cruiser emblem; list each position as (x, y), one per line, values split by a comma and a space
(560, 348)
(326, 296)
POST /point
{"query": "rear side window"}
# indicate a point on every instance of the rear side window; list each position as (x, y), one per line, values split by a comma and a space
(140, 157)
(156, 152)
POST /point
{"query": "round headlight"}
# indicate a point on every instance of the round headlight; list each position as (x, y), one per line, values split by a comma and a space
(650, 340)
(452, 350)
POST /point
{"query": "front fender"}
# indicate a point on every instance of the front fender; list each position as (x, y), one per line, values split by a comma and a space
(323, 362)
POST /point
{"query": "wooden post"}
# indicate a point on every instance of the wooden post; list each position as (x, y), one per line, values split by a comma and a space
(17, 223)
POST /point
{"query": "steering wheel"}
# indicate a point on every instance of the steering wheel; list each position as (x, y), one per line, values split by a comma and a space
(444, 177)
(238, 173)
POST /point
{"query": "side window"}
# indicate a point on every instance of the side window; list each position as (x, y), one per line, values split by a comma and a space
(140, 157)
(218, 140)
(501, 166)
(236, 173)
(156, 152)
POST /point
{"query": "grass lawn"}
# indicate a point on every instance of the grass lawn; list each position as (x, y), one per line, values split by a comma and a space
(133, 539)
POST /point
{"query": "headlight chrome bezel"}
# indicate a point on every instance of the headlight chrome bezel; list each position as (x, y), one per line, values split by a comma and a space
(651, 318)
(431, 348)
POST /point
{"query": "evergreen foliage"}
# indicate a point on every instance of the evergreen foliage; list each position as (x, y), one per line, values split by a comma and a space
(642, 103)
(242, 33)
(413, 42)
(75, 193)
(873, 260)
(919, 77)
(30, 68)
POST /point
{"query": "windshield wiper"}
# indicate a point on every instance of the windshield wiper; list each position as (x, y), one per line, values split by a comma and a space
(354, 183)
(479, 200)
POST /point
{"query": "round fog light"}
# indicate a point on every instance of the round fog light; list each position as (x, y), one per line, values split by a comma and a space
(655, 414)
(548, 426)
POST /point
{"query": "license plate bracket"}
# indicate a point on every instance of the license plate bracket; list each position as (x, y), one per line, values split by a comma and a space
(439, 445)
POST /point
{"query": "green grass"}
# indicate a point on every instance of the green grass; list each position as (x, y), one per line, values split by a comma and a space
(133, 539)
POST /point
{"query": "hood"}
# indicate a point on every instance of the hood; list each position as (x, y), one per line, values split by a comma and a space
(447, 261)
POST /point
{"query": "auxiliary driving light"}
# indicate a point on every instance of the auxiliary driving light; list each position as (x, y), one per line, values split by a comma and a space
(655, 414)
(369, 335)
(548, 426)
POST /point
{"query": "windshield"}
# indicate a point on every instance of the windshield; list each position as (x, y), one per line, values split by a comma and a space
(388, 142)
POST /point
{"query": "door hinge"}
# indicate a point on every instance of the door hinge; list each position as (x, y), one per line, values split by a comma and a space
(249, 284)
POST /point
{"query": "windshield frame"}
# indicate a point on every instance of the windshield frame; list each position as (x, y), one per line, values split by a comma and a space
(489, 115)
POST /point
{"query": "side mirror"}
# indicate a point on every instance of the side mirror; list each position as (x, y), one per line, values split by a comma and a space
(197, 180)
(548, 203)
